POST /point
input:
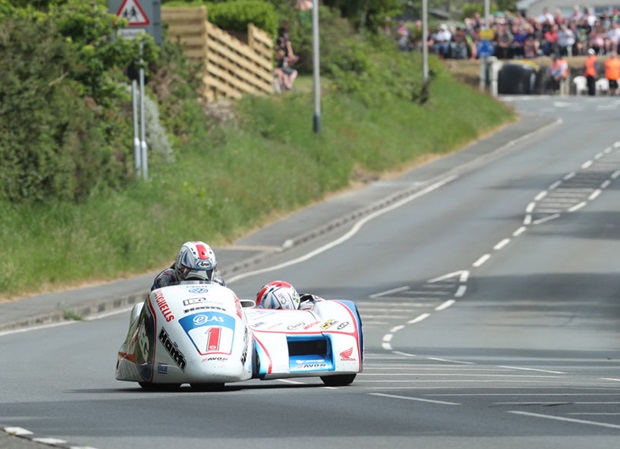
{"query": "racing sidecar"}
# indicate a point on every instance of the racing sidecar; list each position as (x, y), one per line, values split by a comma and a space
(202, 334)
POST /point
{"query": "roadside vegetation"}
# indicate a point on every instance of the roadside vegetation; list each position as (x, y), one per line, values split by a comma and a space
(72, 210)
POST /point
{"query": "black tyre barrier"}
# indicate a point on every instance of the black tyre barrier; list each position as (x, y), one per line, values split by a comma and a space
(517, 79)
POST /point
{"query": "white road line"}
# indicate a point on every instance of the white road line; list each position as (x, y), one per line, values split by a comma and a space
(577, 206)
(519, 231)
(481, 261)
(386, 346)
(571, 420)
(546, 219)
(532, 369)
(437, 359)
(418, 319)
(594, 414)
(610, 378)
(569, 176)
(388, 292)
(17, 431)
(555, 185)
(594, 194)
(615, 174)
(460, 291)
(387, 338)
(501, 244)
(530, 207)
(445, 305)
(35, 328)
(599, 155)
(450, 275)
(396, 329)
(348, 235)
(586, 164)
(541, 195)
(527, 220)
(414, 399)
(605, 184)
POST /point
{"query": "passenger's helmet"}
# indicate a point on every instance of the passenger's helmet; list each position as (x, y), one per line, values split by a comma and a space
(195, 261)
(278, 295)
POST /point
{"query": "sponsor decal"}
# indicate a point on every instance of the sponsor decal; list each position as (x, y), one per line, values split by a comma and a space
(192, 301)
(294, 327)
(162, 368)
(198, 289)
(215, 359)
(259, 324)
(244, 354)
(213, 339)
(172, 348)
(203, 318)
(145, 350)
(311, 325)
(327, 324)
(342, 325)
(238, 306)
(163, 306)
(345, 355)
(193, 309)
(312, 366)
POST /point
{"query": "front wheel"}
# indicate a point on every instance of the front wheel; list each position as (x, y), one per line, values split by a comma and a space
(159, 387)
(339, 380)
(207, 387)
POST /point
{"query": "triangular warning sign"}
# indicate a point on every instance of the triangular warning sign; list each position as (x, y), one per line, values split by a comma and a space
(133, 12)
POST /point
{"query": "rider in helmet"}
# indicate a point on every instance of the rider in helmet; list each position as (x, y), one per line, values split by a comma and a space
(282, 295)
(195, 261)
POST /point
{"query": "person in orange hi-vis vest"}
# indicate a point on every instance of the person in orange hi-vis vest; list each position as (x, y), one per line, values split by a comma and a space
(591, 71)
(612, 72)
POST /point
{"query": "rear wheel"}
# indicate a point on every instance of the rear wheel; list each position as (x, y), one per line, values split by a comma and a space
(339, 380)
(159, 387)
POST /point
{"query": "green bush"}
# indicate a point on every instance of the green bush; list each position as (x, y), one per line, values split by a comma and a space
(236, 15)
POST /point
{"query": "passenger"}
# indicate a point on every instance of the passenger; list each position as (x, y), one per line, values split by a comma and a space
(282, 295)
(195, 261)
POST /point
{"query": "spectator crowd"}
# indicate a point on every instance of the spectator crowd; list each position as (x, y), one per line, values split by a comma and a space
(518, 36)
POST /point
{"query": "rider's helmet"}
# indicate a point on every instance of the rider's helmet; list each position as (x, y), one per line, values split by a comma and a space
(195, 261)
(278, 295)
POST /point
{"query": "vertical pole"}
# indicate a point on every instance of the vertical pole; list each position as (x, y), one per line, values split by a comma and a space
(143, 147)
(316, 68)
(425, 39)
(136, 140)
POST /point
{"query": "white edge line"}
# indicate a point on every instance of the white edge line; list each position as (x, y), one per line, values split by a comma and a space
(610, 378)
(432, 401)
(571, 420)
(17, 431)
(545, 219)
(531, 369)
(354, 230)
(445, 276)
(396, 328)
(387, 292)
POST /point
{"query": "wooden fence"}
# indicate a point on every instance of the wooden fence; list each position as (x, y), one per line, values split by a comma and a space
(232, 67)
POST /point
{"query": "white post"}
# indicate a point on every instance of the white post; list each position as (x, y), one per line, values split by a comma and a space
(425, 39)
(136, 140)
(316, 68)
(143, 147)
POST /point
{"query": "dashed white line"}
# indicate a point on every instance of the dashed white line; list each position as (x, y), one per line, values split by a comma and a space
(605, 184)
(387, 338)
(571, 420)
(546, 219)
(527, 220)
(445, 305)
(615, 174)
(482, 260)
(569, 176)
(594, 194)
(519, 231)
(577, 206)
(586, 164)
(418, 319)
(460, 291)
(555, 185)
(541, 195)
(530, 207)
(501, 244)
(396, 328)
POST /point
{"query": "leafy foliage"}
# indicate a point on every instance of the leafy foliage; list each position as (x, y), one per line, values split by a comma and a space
(235, 15)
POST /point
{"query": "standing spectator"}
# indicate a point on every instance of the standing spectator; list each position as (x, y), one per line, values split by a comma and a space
(557, 74)
(614, 36)
(566, 40)
(550, 42)
(441, 41)
(612, 72)
(402, 35)
(591, 71)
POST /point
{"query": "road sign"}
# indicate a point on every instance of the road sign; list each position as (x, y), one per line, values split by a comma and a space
(133, 12)
(144, 16)
(485, 49)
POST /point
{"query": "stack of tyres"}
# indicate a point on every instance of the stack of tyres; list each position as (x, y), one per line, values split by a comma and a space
(518, 79)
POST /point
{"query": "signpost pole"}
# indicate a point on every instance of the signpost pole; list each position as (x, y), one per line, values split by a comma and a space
(136, 140)
(143, 146)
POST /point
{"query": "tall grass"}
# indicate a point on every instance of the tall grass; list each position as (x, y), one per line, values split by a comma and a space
(231, 180)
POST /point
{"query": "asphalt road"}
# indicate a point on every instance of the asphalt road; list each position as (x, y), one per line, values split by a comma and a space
(490, 309)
